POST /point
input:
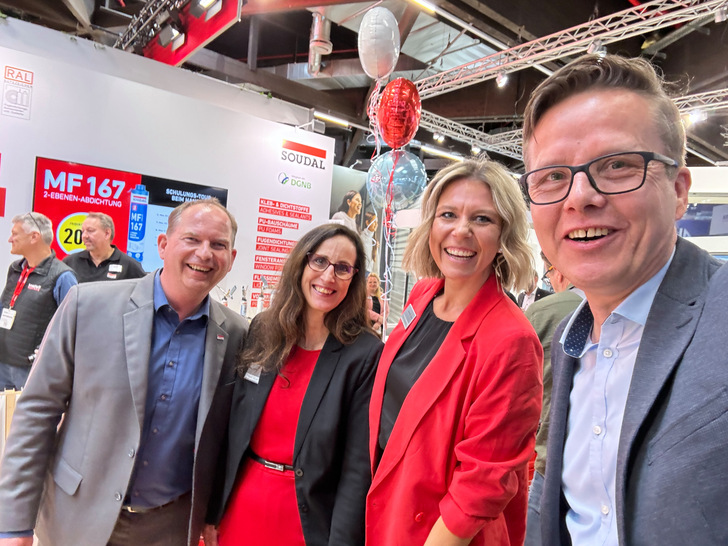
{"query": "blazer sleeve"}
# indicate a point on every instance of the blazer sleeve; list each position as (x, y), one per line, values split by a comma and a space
(347, 521)
(499, 434)
(30, 444)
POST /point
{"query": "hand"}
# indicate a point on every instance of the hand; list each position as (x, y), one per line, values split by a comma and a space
(20, 541)
(209, 535)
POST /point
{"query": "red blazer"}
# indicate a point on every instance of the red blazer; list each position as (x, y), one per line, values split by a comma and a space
(463, 438)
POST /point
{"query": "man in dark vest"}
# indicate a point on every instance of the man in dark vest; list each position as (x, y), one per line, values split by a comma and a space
(36, 285)
(101, 261)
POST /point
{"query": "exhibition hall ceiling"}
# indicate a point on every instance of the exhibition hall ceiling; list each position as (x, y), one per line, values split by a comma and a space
(268, 50)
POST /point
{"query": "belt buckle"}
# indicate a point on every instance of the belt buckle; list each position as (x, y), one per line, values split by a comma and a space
(274, 466)
(131, 510)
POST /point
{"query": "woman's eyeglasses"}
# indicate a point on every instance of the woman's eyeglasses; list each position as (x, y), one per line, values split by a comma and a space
(320, 263)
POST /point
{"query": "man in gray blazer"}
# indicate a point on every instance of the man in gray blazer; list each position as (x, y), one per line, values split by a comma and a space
(637, 424)
(139, 375)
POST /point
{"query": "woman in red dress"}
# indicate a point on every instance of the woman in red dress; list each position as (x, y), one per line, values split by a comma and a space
(297, 468)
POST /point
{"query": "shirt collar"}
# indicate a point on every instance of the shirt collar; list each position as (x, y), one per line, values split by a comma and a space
(635, 308)
(160, 300)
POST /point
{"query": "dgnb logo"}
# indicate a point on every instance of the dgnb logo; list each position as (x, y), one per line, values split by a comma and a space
(284, 179)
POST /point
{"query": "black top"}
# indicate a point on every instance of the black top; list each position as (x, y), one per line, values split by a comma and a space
(376, 306)
(413, 357)
(115, 268)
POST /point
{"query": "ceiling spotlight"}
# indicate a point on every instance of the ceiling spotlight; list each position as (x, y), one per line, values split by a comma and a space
(697, 116)
(171, 35)
(594, 47)
(721, 15)
(440, 138)
(208, 8)
(475, 149)
(501, 79)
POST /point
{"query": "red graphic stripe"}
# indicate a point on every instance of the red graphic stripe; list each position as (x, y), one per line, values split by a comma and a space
(302, 148)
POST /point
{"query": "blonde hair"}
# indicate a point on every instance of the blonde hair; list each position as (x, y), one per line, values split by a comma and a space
(379, 284)
(513, 265)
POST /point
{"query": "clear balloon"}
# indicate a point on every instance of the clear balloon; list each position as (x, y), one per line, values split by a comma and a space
(399, 112)
(378, 42)
(408, 179)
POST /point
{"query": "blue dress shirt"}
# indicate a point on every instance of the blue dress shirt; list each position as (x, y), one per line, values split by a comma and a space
(596, 410)
(163, 469)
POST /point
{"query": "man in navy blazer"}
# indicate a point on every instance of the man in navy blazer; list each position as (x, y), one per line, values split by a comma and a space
(638, 411)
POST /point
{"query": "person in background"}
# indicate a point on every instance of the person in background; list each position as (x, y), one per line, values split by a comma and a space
(532, 294)
(545, 316)
(297, 469)
(101, 261)
(115, 437)
(35, 287)
(349, 210)
(457, 396)
(636, 444)
(374, 302)
(369, 240)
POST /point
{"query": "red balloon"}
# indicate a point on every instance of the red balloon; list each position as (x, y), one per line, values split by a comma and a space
(399, 112)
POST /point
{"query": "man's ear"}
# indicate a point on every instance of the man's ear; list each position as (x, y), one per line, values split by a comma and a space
(683, 181)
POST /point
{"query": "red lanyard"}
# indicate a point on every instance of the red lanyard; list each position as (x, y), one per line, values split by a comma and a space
(21, 283)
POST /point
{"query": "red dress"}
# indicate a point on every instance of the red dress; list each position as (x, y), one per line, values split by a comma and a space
(263, 509)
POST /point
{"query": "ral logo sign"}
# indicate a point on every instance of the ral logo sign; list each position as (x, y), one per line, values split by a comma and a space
(17, 92)
(292, 181)
(302, 154)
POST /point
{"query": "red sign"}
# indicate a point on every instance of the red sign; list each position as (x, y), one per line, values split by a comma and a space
(67, 192)
(198, 31)
(18, 75)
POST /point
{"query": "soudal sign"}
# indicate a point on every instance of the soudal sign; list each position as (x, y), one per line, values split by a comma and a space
(301, 154)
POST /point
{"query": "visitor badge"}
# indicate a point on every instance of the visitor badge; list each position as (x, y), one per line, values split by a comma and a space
(253, 374)
(115, 268)
(7, 318)
(408, 316)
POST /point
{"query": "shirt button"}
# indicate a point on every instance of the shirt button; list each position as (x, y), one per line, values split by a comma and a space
(145, 463)
(419, 516)
(171, 363)
(132, 452)
(607, 353)
(117, 496)
(605, 509)
(163, 397)
(596, 429)
(155, 430)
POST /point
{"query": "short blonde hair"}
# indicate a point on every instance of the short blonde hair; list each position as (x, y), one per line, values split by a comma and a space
(379, 284)
(514, 264)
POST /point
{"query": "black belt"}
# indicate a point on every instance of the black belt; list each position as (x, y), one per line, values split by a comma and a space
(132, 510)
(269, 464)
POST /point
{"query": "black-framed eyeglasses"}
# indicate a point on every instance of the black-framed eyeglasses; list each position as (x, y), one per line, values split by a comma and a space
(320, 263)
(610, 174)
(545, 276)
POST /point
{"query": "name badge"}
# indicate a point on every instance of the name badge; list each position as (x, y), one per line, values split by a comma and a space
(253, 374)
(111, 275)
(115, 268)
(408, 316)
(7, 318)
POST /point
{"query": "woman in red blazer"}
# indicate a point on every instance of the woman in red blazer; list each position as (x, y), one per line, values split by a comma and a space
(457, 395)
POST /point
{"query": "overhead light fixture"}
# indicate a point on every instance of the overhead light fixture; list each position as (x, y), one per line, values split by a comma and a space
(427, 5)
(440, 153)
(438, 137)
(208, 8)
(475, 149)
(171, 36)
(331, 119)
(501, 79)
(697, 115)
(721, 14)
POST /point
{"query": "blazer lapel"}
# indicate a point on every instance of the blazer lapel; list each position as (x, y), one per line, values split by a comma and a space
(322, 373)
(669, 329)
(216, 340)
(138, 325)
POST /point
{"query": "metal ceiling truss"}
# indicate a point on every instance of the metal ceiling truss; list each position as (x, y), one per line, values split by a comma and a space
(625, 24)
(146, 23)
(707, 102)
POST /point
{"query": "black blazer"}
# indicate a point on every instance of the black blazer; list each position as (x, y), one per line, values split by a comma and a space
(330, 455)
(540, 293)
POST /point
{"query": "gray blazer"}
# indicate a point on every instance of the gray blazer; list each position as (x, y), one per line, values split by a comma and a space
(92, 372)
(671, 462)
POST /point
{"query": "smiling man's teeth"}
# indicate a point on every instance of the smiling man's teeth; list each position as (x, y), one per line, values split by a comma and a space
(198, 268)
(322, 290)
(589, 233)
(460, 253)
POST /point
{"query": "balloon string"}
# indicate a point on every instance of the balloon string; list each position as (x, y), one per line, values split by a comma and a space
(390, 231)
(372, 114)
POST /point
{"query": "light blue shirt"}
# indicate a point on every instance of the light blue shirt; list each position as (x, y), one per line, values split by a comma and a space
(597, 402)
